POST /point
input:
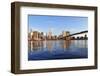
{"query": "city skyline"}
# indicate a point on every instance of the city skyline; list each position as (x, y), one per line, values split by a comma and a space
(57, 37)
(57, 24)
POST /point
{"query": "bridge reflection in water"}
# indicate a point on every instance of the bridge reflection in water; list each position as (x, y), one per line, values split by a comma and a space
(57, 49)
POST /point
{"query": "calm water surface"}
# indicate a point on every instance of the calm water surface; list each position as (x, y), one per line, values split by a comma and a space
(57, 49)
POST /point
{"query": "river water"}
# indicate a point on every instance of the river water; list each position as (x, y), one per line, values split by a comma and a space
(57, 49)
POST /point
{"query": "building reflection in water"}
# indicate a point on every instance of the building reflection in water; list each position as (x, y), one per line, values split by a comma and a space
(49, 45)
(65, 44)
(35, 45)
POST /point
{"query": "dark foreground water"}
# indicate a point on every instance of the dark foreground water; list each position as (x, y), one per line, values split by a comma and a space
(57, 49)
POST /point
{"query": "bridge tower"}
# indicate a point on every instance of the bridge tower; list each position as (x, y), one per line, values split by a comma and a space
(66, 35)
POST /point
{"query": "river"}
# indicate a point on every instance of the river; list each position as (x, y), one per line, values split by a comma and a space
(57, 49)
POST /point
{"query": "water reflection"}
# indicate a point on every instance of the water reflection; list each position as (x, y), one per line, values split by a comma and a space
(63, 44)
(54, 44)
(79, 43)
(57, 49)
(35, 45)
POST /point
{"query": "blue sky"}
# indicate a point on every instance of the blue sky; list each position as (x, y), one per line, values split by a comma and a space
(57, 24)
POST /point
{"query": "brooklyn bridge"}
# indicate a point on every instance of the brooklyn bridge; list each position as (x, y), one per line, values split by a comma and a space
(76, 36)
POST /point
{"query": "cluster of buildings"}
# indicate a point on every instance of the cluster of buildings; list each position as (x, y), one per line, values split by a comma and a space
(36, 35)
(65, 35)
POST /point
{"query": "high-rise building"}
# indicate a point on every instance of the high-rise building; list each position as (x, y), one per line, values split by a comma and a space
(42, 35)
(49, 34)
(35, 35)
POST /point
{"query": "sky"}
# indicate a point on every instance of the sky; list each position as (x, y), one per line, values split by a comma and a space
(57, 24)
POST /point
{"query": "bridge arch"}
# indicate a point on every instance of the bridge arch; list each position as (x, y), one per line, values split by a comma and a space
(80, 35)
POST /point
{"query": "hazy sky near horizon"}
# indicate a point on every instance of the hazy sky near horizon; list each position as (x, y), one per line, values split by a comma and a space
(57, 24)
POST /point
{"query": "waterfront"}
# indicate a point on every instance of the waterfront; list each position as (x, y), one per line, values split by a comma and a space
(57, 49)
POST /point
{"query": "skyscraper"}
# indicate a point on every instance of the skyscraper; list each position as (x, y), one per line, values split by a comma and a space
(50, 34)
